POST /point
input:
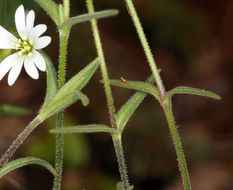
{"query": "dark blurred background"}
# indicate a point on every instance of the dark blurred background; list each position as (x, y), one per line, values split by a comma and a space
(193, 45)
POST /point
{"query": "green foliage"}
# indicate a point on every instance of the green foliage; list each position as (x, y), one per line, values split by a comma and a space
(191, 91)
(70, 92)
(6, 109)
(87, 17)
(10, 166)
(94, 128)
(140, 86)
(51, 88)
(51, 8)
(128, 109)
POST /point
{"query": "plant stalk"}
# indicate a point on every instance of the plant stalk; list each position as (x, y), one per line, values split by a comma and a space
(166, 108)
(116, 141)
(66, 4)
(18, 141)
(103, 66)
(146, 47)
(178, 145)
(64, 36)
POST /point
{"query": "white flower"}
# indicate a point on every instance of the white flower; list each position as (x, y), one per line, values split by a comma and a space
(25, 47)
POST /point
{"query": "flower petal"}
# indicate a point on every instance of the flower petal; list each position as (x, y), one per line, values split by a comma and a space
(6, 64)
(7, 40)
(37, 31)
(30, 21)
(39, 61)
(20, 21)
(30, 68)
(14, 72)
(42, 42)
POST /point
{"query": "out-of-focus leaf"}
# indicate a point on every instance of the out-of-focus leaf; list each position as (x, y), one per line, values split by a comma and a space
(87, 17)
(13, 110)
(51, 8)
(10, 166)
(191, 91)
(94, 128)
(14, 183)
(51, 88)
(140, 86)
(127, 110)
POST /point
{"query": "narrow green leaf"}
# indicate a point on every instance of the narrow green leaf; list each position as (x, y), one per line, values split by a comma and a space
(61, 103)
(13, 110)
(51, 88)
(140, 86)
(79, 80)
(51, 8)
(127, 110)
(70, 92)
(95, 128)
(15, 164)
(87, 17)
(191, 91)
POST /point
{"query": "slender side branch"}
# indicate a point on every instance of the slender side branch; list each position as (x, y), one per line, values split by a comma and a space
(18, 141)
(146, 47)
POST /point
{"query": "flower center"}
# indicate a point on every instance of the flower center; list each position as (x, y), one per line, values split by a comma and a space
(24, 47)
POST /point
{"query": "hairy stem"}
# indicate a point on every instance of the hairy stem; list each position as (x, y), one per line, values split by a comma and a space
(146, 46)
(64, 36)
(178, 145)
(66, 4)
(103, 66)
(121, 161)
(167, 108)
(18, 141)
(109, 97)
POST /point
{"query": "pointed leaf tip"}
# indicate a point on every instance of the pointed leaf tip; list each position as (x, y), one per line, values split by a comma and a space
(191, 91)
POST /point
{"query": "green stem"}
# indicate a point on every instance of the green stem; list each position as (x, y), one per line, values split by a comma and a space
(167, 108)
(18, 141)
(121, 161)
(103, 66)
(64, 35)
(109, 97)
(146, 47)
(178, 145)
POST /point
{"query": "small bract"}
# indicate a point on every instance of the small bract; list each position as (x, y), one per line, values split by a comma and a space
(25, 46)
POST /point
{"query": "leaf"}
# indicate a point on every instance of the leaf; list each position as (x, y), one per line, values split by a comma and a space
(94, 128)
(14, 183)
(191, 91)
(51, 8)
(87, 17)
(51, 88)
(15, 164)
(127, 110)
(6, 109)
(140, 86)
(70, 92)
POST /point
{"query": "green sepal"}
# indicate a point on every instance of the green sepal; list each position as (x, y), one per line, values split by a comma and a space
(15, 164)
(51, 8)
(6, 109)
(191, 91)
(127, 110)
(51, 88)
(94, 128)
(87, 17)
